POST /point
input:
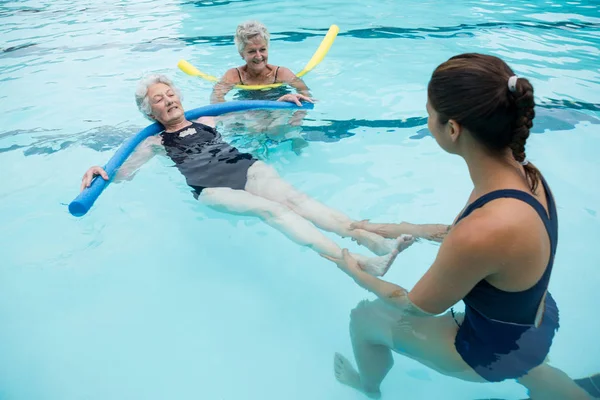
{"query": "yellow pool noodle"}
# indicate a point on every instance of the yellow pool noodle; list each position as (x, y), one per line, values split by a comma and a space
(314, 61)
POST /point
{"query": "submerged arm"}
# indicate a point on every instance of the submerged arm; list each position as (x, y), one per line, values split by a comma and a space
(287, 76)
(391, 293)
(219, 91)
(434, 232)
(463, 260)
(142, 154)
(224, 86)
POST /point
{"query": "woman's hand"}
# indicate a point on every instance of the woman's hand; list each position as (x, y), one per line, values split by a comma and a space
(295, 98)
(347, 264)
(89, 175)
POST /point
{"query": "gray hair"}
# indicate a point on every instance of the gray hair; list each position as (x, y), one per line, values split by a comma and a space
(248, 30)
(141, 92)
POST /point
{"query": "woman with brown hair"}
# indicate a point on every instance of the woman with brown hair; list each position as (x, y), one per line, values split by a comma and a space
(497, 257)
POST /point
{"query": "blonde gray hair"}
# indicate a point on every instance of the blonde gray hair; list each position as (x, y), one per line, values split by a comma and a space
(141, 92)
(248, 30)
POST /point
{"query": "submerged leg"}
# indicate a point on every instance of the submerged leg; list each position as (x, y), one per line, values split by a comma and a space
(346, 374)
(377, 329)
(549, 383)
(289, 223)
(264, 181)
(590, 384)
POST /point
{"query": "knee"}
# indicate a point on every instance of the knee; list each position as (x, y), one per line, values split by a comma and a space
(361, 317)
(273, 213)
(295, 198)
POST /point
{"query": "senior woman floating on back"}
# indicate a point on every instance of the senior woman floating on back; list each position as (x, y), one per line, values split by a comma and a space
(229, 180)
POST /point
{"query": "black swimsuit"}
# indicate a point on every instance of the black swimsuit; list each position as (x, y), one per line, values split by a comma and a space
(205, 159)
(263, 94)
(242, 82)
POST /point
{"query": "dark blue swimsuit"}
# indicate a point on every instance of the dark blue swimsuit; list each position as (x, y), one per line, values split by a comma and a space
(205, 159)
(498, 338)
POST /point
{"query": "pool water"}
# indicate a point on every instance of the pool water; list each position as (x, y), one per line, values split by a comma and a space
(152, 296)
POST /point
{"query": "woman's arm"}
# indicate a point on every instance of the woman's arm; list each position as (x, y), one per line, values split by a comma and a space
(434, 232)
(141, 155)
(392, 294)
(471, 252)
(287, 76)
(224, 86)
(290, 97)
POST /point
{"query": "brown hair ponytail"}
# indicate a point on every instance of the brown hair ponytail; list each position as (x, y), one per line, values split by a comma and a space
(473, 90)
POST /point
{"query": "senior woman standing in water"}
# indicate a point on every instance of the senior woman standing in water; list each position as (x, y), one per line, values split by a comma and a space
(252, 42)
(497, 257)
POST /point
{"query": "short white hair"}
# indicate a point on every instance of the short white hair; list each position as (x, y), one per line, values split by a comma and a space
(248, 30)
(141, 92)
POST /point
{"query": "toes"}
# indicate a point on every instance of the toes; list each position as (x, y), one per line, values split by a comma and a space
(407, 238)
(339, 360)
(338, 364)
(405, 241)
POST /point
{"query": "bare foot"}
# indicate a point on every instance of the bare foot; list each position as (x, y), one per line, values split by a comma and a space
(380, 245)
(403, 242)
(346, 374)
(379, 266)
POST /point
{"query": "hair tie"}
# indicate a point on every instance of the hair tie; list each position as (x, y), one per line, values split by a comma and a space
(512, 83)
(524, 162)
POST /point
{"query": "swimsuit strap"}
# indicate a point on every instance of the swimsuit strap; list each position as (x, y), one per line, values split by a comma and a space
(548, 217)
(242, 82)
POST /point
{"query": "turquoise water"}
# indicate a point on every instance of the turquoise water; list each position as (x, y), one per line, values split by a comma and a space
(152, 296)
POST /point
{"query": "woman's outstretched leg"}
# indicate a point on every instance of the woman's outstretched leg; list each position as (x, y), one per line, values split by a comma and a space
(289, 223)
(265, 182)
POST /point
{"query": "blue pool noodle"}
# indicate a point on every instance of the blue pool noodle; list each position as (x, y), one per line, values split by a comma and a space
(84, 201)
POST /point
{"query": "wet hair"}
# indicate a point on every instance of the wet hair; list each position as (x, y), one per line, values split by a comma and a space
(472, 89)
(141, 92)
(247, 31)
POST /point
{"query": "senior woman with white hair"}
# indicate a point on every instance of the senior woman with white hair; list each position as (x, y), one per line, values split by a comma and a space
(252, 42)
(228, 180)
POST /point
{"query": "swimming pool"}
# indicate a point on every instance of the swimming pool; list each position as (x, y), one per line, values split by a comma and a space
(151, 296)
